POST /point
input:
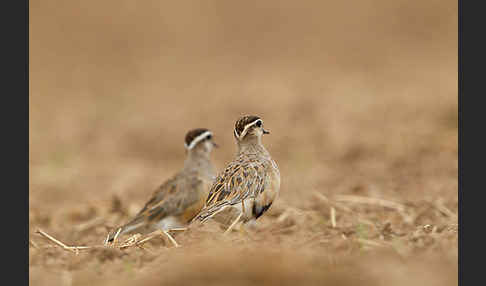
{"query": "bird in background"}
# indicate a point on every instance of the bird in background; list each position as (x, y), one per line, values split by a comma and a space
(180, 198)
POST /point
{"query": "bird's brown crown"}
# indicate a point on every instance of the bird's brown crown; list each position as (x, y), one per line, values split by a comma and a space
(243, 122)
(196, 135)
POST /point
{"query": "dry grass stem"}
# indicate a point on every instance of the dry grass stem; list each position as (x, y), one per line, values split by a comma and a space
(129, 242)
(178, 229)
(174, 242)
(74, 249)
(442, 208)
(31, 242)
(371, 242)
(287, 213)
(142, 241)
(282, 230)
(333, 217)
(331, 203)
(157, 233)
(233, 224)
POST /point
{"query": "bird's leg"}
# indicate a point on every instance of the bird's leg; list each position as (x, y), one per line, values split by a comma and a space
(164, 234)
(241, 227)
(234, 223)
(178, 229)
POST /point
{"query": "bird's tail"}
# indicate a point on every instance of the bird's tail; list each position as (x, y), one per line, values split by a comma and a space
(133, 226)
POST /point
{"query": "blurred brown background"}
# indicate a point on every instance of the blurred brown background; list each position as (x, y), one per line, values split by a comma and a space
(360, 98)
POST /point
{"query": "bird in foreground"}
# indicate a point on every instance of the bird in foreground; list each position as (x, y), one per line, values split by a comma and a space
(249, 184)
(180, 198)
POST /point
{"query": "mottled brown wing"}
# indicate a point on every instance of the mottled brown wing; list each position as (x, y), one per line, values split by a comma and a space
(172, 198)
(161, 194)
(243, 178)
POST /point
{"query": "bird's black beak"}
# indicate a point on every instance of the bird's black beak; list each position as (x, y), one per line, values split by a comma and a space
(266, 131)
(215, 145)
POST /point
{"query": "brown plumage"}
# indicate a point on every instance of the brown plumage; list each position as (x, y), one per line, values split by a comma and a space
(250, 183)
(181, 197)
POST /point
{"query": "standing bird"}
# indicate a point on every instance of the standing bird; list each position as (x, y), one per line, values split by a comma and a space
(180, 198)
(249, 184)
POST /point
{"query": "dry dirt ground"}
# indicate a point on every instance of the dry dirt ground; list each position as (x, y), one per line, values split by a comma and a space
(360, 98)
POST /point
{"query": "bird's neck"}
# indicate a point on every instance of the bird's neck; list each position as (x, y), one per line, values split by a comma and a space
(252, 145)
(199, 162)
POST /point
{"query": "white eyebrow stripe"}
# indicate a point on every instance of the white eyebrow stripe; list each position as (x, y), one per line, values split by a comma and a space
(243, 133)
(197, 140)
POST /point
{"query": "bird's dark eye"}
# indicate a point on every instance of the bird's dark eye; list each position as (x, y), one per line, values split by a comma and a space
(259, 123)
(209, 137)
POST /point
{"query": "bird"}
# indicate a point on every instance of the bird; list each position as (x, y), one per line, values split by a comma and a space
(249, 184)
(176, 201)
